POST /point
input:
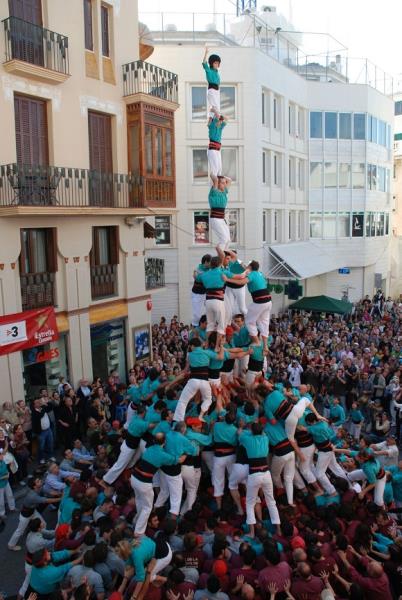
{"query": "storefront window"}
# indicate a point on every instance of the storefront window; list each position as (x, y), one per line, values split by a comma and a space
(43, 365)
(162, 227)
(108, 346)
(201, 227)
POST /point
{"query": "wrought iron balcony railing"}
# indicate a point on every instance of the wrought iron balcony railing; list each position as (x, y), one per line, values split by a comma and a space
(154, 273)
(140, 77)
(35, 45)
(38, 290)
(103, 281)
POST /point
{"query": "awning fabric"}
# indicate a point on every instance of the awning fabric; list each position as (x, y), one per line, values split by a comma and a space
(324, 304)
(149, 231)
(301, 260)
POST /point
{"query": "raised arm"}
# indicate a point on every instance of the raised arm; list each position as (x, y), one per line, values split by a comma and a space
(204, 60)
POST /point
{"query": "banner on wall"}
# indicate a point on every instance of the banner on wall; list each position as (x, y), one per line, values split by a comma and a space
(23, 330)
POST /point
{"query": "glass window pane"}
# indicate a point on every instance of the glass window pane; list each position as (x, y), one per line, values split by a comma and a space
(275, 113)
(228, 106)
(168, 152)
(315, 175)
(316, 225)
(372, 224)
(331, 127)
(357, 224)
(198, 103)
(345, 126)
(39, 250)
(387, 224)
(233, 222)
(201, 227)
(368, 224)
(330, 175)
(103, 238)
(162, 228)
(358, 176)
(316, 124)
(344, 175)
(134, 141)
(398, 107)
(27, 267)
(276, 225)
(229, 166)
(344, 225)
(148, 149)
(263, 108)
(374, 127)
(359, 126)
(200, 165)
(159, 152)
(329, 225)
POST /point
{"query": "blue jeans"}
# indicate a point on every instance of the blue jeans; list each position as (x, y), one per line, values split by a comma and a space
(45, 444)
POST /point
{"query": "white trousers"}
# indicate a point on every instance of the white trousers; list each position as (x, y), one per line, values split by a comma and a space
(171, 486)
(6, 495)
(306, 467)
(22, 525)
(198, 308)
(215, 162)
(222, 232)
(238, 474)
(355, 430)
(208, 458)
(255, 482)
(125, 457)
(241, 365)
(191, 478)
(327, 460)
(23, 589)
(161, 563)
(251, 377)
(215, 316)
(229, 307)
(189, 391)
(219, 466)
(214, 101)
(298, 480)
(237, 299)
(379, 491)
(285, 465)
(144, 500)
(257, 319)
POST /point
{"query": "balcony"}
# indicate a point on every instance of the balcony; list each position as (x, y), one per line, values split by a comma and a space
(141, 78)
(154, 273)
(31, 189)
(38, 290)
(103, 281)
(35, 52)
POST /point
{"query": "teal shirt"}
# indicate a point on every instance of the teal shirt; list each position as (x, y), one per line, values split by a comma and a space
(258, 352)
(162, 427)
(212, 75)
(337, 414)
(213, 279)
(3, 473)
(272, 403)
(225, 433)
(138, 426)
(276, 433)
(150, 386)
(320, 431)
(216, 364)
(199, 357)
(257, 446)
(134, 393)
(235, 267)
(256, 281)
(388, 493)
(217, 198)
(152, 415)
(396, 482)
(215, 129)
(44, 580)
(371, 468)
(356, 415)
(177, 444)
(201, 333)
(198, 439)
(241, 339)
(158, 457)
(241, 416)
(141, 555)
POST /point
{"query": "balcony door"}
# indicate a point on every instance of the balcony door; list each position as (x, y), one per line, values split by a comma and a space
(26, 30)
(31, 180)
(100, 159)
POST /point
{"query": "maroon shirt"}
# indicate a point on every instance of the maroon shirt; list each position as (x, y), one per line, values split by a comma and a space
(194, 558)
(326, 564)
(250, 576)
(374, 587)
(309, 589)
(277, 574)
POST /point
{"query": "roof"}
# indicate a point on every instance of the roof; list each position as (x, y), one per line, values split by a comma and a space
(302, 260)
(324, 304)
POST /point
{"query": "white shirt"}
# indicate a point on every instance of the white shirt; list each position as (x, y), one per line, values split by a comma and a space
(294, 375)
(392, 456)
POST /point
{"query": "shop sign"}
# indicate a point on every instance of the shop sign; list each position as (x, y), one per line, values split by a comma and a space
(23, 330)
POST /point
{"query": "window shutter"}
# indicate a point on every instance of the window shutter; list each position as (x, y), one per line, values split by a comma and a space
(100, 142)
(28, 10)
(22, 257)
(31, 131)
(89, 43)
(51, 249)
(105, 30)
(92, 252)
(114, 245)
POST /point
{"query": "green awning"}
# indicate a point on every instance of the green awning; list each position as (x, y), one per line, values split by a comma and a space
(324, 304)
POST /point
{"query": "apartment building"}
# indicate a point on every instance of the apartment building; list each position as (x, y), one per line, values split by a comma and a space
(86, 162)
(308, 147)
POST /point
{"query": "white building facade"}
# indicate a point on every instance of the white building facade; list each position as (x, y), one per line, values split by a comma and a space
(311, 167)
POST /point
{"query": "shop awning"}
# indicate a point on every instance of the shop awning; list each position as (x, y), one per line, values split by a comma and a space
(149, 231)
(324, 304)
(301, 260)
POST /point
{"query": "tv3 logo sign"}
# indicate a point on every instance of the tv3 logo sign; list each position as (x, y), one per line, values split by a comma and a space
(13, 332)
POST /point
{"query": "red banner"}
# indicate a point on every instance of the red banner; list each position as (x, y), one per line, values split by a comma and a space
(27, 329)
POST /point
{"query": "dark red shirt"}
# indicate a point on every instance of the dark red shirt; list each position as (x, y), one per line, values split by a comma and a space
(309, 589)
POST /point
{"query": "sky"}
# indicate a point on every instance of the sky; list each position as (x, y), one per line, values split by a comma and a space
(369, 28)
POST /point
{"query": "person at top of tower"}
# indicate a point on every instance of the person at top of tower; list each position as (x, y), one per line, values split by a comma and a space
(211, 69)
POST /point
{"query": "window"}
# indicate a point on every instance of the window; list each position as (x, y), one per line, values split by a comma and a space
(372, 177)
(201, 227)
(358, 176)
(162, 228)
(330, 175)
(264, 225)
(276, 226)
(292, 119)
(382, 133)
(300, 174)
(300, 123)
(345, 126)
(359, 126)
(105, 30)
(345, 175)
(276, 112)
(265, 166)
(381, 179)
(277, 169)
(38, 251)
(290, 226)
(369, 219)
(315, 175)
(316, 124)
(398, 107)
(158, 146)
(199, 102)
(200, 165)
(299, 225)
(331, 125)
(291, 172)
(329, 230)
(374, 130)
(104, 258)
(88, 31)
(386, 223)
(315, 224)
(229, 163)
(344, 225)
(265, 108)
(357, 224)
(232, 216)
